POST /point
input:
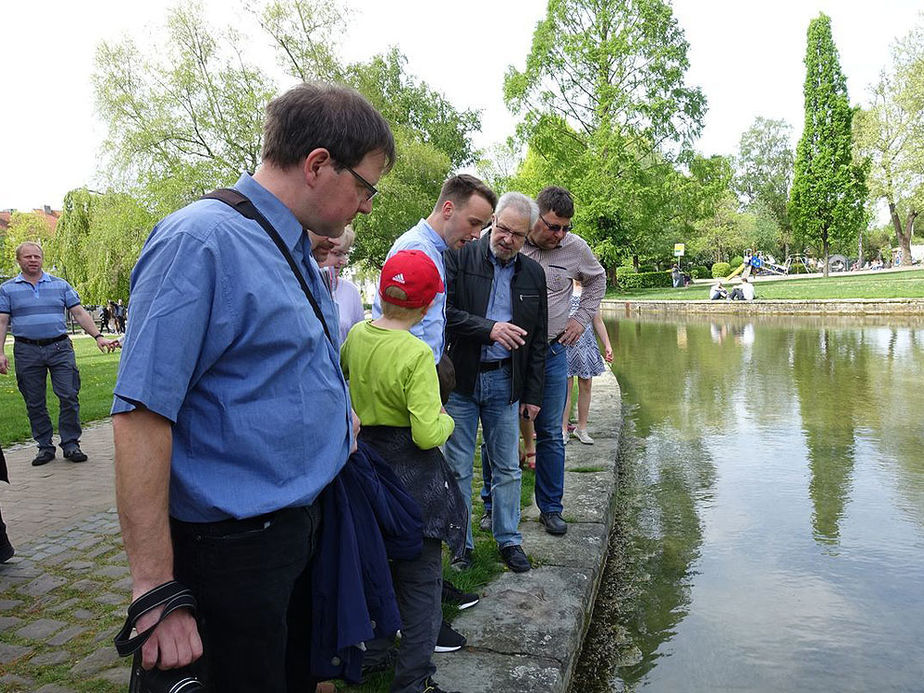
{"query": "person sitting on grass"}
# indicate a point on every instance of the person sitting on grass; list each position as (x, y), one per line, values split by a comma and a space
(718, 292)
(395, 392)
(744, 292)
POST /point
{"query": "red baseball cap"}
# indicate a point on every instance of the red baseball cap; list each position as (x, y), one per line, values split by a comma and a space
(415, 274)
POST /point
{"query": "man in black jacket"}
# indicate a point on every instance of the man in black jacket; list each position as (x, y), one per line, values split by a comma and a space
(496, 323)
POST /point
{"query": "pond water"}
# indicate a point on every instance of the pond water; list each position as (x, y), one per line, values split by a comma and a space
(772, 509)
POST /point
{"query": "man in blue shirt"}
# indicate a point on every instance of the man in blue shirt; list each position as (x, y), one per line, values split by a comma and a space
(231, 413)
(496, 326)
(464, 208)
(36, 302)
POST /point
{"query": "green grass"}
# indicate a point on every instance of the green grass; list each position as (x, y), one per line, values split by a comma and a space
(905, 284)
(97, 378)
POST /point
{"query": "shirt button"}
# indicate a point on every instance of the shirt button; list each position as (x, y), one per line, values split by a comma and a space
(335, 661)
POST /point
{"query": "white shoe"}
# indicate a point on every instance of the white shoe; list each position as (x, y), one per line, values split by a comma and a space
(582, 435)
(565, 435)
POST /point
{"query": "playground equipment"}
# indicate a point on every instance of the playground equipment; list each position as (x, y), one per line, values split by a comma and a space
(755, 263)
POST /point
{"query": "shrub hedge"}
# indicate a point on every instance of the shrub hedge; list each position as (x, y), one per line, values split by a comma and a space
(798, 268)
(736, 262)
(646, 280)
(720, 270)
(700, 272)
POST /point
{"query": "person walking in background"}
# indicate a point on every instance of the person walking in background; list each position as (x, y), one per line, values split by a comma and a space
(104, 316)
(345, 292)
(33, 305)
(120, 317)
(585, 362)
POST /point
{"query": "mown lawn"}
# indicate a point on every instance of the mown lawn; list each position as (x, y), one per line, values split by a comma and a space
(906, 284)
(97, 378)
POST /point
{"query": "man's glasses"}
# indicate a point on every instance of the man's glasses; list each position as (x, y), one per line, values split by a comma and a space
(371, 190)
(556, 228)
(509, 232)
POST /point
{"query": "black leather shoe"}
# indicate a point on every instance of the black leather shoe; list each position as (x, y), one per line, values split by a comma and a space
(44, 457)
(515, 559)
(484, 524)
(553, 523)
(75, 454)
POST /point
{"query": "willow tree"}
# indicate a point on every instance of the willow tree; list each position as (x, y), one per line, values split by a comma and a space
(603, 100)
(828, 191)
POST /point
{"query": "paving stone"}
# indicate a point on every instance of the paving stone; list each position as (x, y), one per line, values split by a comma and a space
(41, 629)
(48, 659)
(86, 586)
(12, 682)
(63, 606)
(103, 658)
(42, 585)
(9, 653)
(9, 604)
(8, 623)
(112, 571)
(54, 688)
(66, 554)
(119, 676)
(113, 599)
(123, 585)
(24, 569)
(99, 551)
(79, 565)
(66, 635)
(82, 614)
(88, 542)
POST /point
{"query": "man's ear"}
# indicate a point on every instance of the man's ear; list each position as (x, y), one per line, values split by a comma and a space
(316, 160)
(447, 209)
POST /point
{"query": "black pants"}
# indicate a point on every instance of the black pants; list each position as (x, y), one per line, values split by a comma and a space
(252, 581)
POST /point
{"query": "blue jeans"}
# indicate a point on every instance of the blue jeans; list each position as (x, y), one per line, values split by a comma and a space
(490, 403)
(550, 448)
(33, 364)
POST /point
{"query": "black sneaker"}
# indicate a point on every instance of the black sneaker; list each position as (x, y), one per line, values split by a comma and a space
(6, 548)
(431, 687)
(484, 524)
(75, 454)
(448, 640)
(515, 559)
(453, 595)
(44, 457)
(463, 562)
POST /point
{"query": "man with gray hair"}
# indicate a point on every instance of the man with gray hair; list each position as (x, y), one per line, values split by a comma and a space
(496, 313)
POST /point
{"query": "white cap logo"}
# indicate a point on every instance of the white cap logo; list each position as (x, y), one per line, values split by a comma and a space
(399, 278)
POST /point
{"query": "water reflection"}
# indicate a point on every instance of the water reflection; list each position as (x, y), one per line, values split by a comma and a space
(774, 511)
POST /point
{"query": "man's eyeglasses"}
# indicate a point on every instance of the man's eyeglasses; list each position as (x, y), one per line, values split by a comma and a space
(509, 232)
(556, 228)
(371, 190)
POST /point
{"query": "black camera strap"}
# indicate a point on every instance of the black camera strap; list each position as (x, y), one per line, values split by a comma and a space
(171, 595)
(242, 204)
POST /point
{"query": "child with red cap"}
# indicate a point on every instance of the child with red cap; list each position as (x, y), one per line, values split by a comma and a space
(395, 392)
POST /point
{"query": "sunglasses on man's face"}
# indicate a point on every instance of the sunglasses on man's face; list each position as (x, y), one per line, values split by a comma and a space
(556, 228)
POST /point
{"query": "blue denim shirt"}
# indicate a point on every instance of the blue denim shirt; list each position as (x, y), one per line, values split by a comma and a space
(224, 344)
(432, 329)
(500, 306)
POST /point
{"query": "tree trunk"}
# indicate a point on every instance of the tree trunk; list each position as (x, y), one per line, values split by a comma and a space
(635, 262)
(903, 235)
(825, 246)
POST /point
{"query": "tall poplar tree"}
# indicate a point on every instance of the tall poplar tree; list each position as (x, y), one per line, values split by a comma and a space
(828, 192)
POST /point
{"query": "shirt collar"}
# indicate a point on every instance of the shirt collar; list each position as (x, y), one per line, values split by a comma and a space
(273, 209)
(44, 278)
(434, 237)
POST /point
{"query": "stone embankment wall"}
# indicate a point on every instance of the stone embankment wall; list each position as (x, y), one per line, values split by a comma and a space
(846, 306)
(526, 633)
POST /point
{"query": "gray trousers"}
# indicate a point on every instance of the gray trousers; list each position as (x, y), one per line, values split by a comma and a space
(419, 589)
(33, 363)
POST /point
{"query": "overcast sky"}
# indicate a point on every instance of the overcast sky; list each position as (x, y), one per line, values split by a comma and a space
(745, 54)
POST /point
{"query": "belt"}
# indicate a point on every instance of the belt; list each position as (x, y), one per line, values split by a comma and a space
(41, 342)
(556, 338)
(485, 366)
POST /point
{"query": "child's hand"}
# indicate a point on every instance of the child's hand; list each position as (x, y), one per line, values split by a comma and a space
(608, 354)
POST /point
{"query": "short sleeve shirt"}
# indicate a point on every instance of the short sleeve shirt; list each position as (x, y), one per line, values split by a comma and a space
(37, 312)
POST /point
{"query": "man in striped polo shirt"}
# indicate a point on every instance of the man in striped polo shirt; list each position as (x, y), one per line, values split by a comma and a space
(33, 305)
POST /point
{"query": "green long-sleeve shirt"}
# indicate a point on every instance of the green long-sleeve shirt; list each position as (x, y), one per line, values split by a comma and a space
(393, 382)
